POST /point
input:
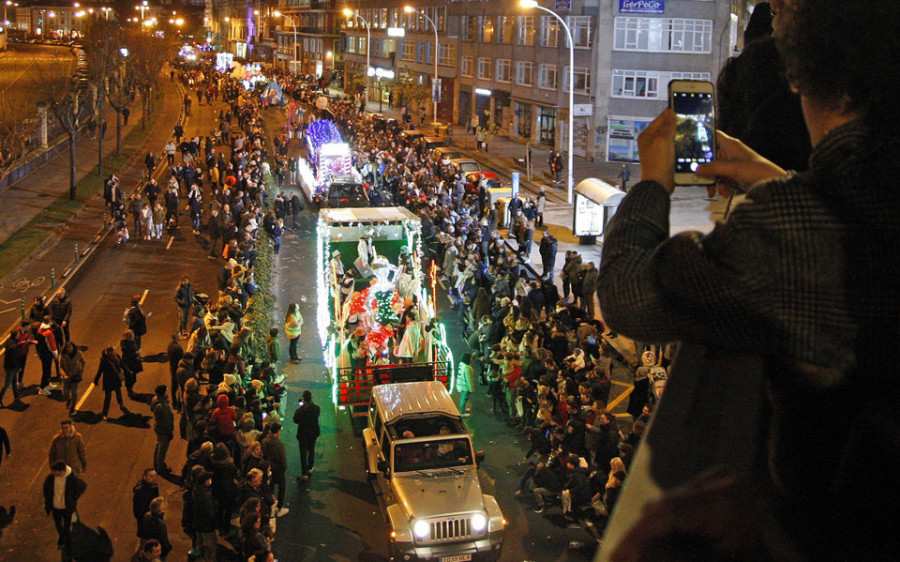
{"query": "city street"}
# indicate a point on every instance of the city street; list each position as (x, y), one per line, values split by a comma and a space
(24, 69)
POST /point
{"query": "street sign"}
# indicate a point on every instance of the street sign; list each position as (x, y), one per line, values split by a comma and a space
(514, 182)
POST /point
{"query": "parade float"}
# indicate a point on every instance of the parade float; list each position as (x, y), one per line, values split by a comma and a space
(376, 307)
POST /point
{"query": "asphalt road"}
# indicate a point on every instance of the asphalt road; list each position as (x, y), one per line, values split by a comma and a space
(25, 69)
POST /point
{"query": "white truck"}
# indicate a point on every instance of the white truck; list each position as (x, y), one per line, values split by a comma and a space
(419, 455)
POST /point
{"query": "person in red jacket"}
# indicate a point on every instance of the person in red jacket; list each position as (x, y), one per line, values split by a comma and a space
(223, 417)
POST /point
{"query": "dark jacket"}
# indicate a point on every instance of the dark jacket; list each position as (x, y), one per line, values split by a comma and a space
(184, 295)
(274, 452)
(154, 527)
(163, 419)
(546, 478)
(110, 370)
(61, 310)
(142, 494)
(307, 419)
(75, 486)
(203, 509)
(579, 487)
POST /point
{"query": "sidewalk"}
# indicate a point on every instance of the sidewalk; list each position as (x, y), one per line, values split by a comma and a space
(47, 266)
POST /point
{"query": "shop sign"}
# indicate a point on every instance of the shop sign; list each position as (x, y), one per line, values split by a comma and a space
(642, 6)
(582, 110)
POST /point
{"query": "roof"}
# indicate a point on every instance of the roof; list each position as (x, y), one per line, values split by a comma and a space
(413, 398)
(367, 214)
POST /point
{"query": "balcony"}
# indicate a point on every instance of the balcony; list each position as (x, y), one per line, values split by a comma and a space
(322, 5)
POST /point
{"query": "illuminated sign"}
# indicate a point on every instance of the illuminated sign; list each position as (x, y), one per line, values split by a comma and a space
(642, 6)
(385, 73)
(482, 92)
(396, 32)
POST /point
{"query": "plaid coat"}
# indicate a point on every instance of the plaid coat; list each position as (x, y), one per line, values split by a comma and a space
(789, 315)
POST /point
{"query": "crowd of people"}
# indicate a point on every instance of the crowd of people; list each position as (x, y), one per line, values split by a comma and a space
(541, 356)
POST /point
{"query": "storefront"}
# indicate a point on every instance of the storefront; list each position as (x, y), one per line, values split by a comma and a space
(522, 119)
(622, 137)
(547, 126)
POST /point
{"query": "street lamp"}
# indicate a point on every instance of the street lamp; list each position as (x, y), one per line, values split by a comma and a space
(569, 176)
(5, 7)
(291, 19)
(348, 12)
(434, 85)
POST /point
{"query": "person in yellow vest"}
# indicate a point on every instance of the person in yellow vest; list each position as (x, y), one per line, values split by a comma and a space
(293, 324)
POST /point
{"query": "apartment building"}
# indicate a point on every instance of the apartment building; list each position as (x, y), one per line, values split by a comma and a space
(509, 65)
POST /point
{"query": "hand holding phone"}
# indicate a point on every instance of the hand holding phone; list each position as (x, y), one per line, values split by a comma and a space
(693, 102)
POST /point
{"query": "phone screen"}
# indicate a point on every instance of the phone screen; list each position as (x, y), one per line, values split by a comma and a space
(694, 131)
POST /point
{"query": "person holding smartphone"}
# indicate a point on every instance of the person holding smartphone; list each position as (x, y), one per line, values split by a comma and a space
(787, 314)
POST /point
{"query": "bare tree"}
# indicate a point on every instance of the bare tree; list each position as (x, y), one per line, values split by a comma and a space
(101, 48)
(69, 105)
(146, 57)
(14, 137)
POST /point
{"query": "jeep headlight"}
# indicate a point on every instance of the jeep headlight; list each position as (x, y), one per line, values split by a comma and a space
(421, 529)
(479, 521)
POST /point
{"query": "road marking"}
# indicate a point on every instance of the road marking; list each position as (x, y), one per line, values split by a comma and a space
(7, 310)
(84, 397)
(618, 399)
(144, 296)
(169, 245)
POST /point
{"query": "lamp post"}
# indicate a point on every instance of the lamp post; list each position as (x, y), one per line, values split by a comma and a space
(411, 10)
(291, 19)
(569, 176)
(5, 15)
(348, 12)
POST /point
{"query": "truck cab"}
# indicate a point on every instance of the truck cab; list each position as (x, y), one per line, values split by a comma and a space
(419, 455)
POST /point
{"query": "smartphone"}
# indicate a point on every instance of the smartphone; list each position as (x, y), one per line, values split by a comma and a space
(693, 102)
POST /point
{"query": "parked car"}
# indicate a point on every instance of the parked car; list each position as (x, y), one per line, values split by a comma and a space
(445, 154)
(465, 165)
(411, 136)
(430, 143)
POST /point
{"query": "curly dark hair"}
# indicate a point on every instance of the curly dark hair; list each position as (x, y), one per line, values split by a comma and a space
(836, 52)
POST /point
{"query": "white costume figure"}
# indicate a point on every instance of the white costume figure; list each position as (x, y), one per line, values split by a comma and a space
(366, 250)
(336, 267)
(412, 345)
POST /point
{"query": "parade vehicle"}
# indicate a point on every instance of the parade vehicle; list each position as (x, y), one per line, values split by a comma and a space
(376, 306)
(419, 455)
(329, 160)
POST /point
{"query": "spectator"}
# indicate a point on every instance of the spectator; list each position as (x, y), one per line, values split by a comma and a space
(62, 489)
(68, 447)
(163, 426)
(275, 454)
(142, 495)
(306, 416)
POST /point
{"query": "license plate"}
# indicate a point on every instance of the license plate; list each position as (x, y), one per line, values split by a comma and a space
(457, 558)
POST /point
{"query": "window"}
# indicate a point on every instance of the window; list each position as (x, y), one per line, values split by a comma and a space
(471, 28)
(440, 18)
(487, 29)
(504, 70)
(382, 19)
(582, 80)
(429, 52)
(663, 35)
(526, 30)
(361, 45)
(467, 66)
(408, 50)
(485, 68)
(524, 73)
(549, 31)
(647, 84)
(581, 31)
(547, 77)
(507, 28)
(351, 44)
(447, 54)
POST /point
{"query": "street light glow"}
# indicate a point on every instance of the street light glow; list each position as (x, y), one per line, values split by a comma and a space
(409, 9)
(347, 11)
(528, 3)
